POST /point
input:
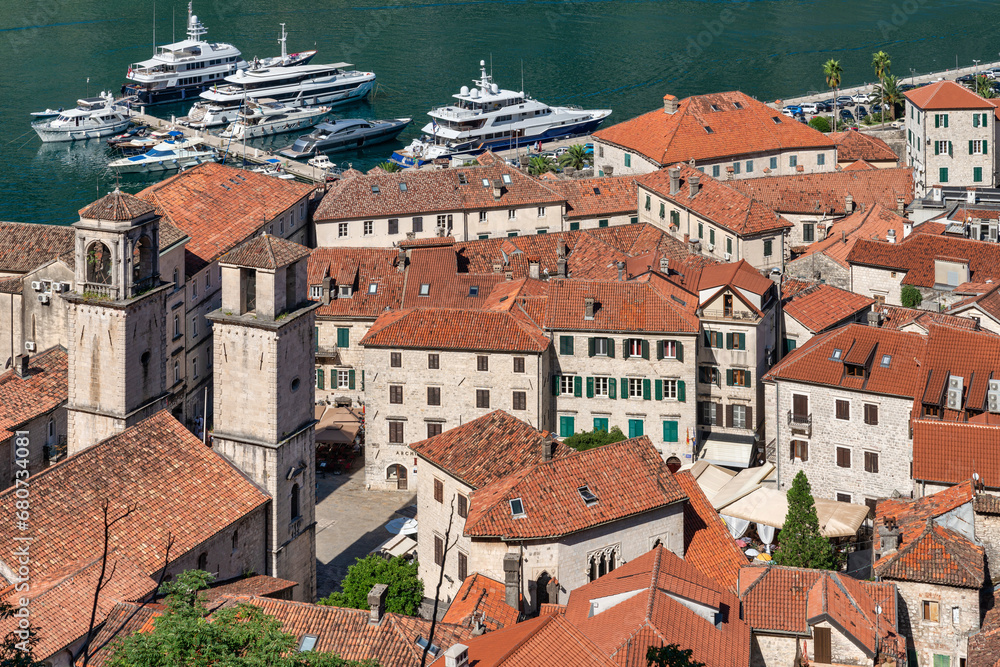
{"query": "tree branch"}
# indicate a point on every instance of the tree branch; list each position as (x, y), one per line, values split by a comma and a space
(437, 591)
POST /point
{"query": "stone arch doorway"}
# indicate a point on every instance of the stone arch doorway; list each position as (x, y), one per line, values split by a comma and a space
(397, 473)
(673, 464)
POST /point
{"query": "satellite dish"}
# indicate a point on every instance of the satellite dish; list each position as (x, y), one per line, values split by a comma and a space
(474, 94)
(494, 88)
(878, 609)
(464, 90)
(975, 476)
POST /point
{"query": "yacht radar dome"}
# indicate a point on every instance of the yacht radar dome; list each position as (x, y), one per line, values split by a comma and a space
(494, 88)
(474, 94)
(482, 63)
(464, 90)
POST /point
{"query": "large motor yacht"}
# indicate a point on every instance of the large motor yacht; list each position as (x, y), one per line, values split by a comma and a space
(93, 117)
(489, 117)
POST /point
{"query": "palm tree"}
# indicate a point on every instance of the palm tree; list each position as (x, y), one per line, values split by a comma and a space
(881, 63)
(575, 157)
(390, 167)
(538, 165)
(832, 70)
(891, 96)
(984, 87)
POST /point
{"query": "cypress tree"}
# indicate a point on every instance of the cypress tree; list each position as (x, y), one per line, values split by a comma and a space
(800, 543)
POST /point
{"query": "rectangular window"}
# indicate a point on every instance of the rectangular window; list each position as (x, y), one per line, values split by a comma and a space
(670, 390)
(821, 159)
(396, 394)
(482, 363)
(396, 359)
(433, 361)
(574, 226)
(194, 327)
(394, 226)
(601, 424)
(800, 450)
(319, 378)
(635, 428)
(768, 247)
(433, 395)
(793, 161)
(463, 566)
(566, 345)
(433, 429)
(438, 551)
(736, 167)
(930, 611)
(369, 227)
(602, 223)
(628, 159)
(843, 497)
(518, 364)
(739, 416)
(418, 224)
(635, 347)
(669, 349)
(520, 401)
(808, 232)
(871, 462)
(709, 414)
(711, 236)
(977, 174)
(871, 414)
(342, 230)
(635, 387)
(541, 211)
(396, 432)
(566, 427)
(943, 175)
(482, 398)
(482, 216)
(343, 337)
(774, 163)
(715, 171)
(463, 506)
(749, 166)
(648, 202)
(601, 386)
(600, 347)
(701, 230)
(670, 431)
(512, 214)
(663, 211)
(729, 245)
(343, 379)
(709, 375)
(194, 368)
(843, 409)
(843, 457)
(439, 490)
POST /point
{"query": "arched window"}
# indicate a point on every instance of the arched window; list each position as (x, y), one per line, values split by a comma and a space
(203, 561)
(236, 540)
(98, 264)
(542, 588)
(295, 502)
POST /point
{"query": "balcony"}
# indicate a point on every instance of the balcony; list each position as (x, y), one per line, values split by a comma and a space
(328, 355)
(800, 423)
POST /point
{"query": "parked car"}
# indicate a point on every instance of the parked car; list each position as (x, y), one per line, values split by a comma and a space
(861, 98)
(561, 150)
(824, 107)
(809, 107)
(846, 115)
(907, 86)
(845, 101)
(967, 78)
(862, 112)
(792, 110)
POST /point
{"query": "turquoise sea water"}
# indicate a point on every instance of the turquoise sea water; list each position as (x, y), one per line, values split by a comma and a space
(619, 54)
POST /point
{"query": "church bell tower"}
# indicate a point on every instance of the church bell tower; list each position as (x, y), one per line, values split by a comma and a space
(264, 394)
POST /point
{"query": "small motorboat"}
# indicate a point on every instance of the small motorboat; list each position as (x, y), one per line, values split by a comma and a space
(262, 118)
(48, 113)
(166, 156)
(345, 134)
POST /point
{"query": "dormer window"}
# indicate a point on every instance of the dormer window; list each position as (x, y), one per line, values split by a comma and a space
(346, 291)
(855, 371)
(316, 292)
(425, 289)
(587, 495)
(516, 508)
(837, 354)
(372, 288)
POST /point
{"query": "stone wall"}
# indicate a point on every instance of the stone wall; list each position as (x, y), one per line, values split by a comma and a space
(38, 436)
(988, 535)
(922, 136)
(330, 358)
(817, 266)
(945, 636)
(226, 559)
(880, 284)
(774, 650)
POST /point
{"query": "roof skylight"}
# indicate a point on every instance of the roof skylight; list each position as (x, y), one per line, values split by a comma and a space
(837, 354)
(486, 182)
(516, 508)
(425, 289)
(402, 186)
(886, 360)
(506, 179)
(372, 288)
(308, 643)
(375, 189)
(473, 290)
(587, 495)
(709, 130)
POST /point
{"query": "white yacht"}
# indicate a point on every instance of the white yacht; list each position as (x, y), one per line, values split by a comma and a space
(183, 69)
(489, 117)
(266, 117)
(166, 156)
(93, 117)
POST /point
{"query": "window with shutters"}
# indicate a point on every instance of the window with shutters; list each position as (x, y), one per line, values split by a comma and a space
(433, 361)
(343, 379)
(663, 211)
(635, 428)
(709, 414)
(600, 347)
(520, 401)
(433, 395)
(854, 370)
(482, 398)
(482, 363)
(808, 232)
(463, 566)
(739, 416)
(943, 175)
(463, 506)
(843, 457)
(396, 432)
(976, 147)
(566, 345)
(601, 386)
(741, 377)
(566, 384)
(635, 387)
(800, 450)
(670, 390)
(670, 431)
(634, 347)
(319, 378)
(977, 174)
(930, 610)
(418, 224)
(438, 490)
(567, 426)
(396, 359)
(669, 349)
(343, 337)
(396, 394)
(715, 339)
(433, 428)
(438, 551)
(518, 364)
(871, 462)
(601, 424)
(793, 160)
(843, 409)
(871, 414)
(768, 247)
(394, 225)
(709, 375)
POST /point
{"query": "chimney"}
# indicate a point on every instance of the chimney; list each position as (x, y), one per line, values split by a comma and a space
(401, 259)
(497, 188)
(675, 180)
(561, 267)
(936, 192)
(890, 236)
(874, 318)
(694, 184)
(888, 538)
(970, 195)
(548, 444)
(588, 308)
(376, 602)
(327, 287)
(511, 568)
(669, 104)
(533, 269)
(457, 656)
(561, 248)
(849, 203)
(843, 236)
(900, 207)
(621, 270)
(21, 365)
(609, 170)
(410, 236)
(665, 265)
(508, 275)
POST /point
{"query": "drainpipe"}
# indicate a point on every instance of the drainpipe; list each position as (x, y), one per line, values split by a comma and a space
(777, 431)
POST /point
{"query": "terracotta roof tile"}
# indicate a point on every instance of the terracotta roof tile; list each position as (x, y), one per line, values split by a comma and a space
(455, 329)
(124, 619)
(897, 317)
(827, 192)
(26, 246)
(366, 266)
(739, 274)
(853, 145)
(265, 252)
(42, 390)
(916, 255)
(859, 165)
(481, 600)
(220, 207)
(619, 306)
(708, 544)
(826, 306)
(935, 555)
(740, 126)
(116, 206)
(905, 510)
(715, 201)
(258, 584)
(597, 197)
(950, 452)
(628, 478)
(946, 95)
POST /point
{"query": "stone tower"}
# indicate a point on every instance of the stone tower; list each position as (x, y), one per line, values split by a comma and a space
(264, 394)
(116, 319)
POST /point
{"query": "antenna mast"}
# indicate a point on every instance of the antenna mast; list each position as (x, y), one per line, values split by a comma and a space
(284, 52)
(154, 28)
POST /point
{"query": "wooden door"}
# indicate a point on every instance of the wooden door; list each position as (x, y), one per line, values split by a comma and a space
(401, 479)
(821, 646)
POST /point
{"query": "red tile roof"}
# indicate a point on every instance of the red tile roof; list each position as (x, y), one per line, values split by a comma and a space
(708, 544)
(486, 449)
(740, 127)
(357, 268)
(116, 206)
(988, 302)
(946, 95)
(935, 555)
(220, 207)
(971, 355)
(904, 510)
(628, 478)
(438, 268)
(481, 600)
(42, 390)
(26, 246)
(715, 201)
(853, 145)
(124, 619)
(897, 317)
(916, 254)
(827, 192)
(950, 452)
(265, 252)
(825, 306)
(597, 197)
(455, 329)
(179, 486)
(814, 363)
(619, 306)
(258, 584)
(871, 223)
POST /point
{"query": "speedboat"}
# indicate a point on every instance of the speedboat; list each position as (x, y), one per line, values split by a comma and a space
(488, 117)
(166, 156)
(93, 117)
(48, 113)
(266, 117)
(345, 134)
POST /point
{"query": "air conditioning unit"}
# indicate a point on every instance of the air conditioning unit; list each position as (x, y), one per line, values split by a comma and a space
(44, 299)
(993, 385)
(36, 285)
(29, 345)
(711, 247)
(955, 384)
(728, 256)
(993, 401)
(60, 287)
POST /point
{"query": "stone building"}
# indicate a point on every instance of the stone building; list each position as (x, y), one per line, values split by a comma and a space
(949, 130)
(730, 135)
(817, 308)
(984, 309)
(517, 506)
(840, 406)
(726, 224)
(597, 202)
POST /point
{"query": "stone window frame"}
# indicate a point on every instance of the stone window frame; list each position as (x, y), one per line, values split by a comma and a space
(612, 557)
(518, 364)
(670, 389)
(396, 432)
(519, 400)
(482, 398)
(836, 409)
(634, 388)
(850, 456)
(566, 384)
(602, 387)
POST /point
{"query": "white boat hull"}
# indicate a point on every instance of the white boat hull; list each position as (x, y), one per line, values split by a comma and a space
(268, 129)
(72, 134)
(170, 164)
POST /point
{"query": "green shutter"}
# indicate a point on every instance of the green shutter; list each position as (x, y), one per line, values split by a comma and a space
(970, 146)
(316, 339)
(611, 348)
(708, 338)
(625, 348)
(729, 377)
(680, 391)
(658, 389)
(937, 120)
(555, 385)
(319, 379)
(936, 150)
(601, 424)
(645, 349)
(362, 379)
(680, 351)
(612, 388)
(578, 386)
(634, 428)
(590, 347)
(743, 341)
(659, 349)
(950, 151)
(590, 387)
(566, 427)
(645, 390)
(343, 337)
(729, 341)
(670, 431)
(946, 120)
(985, 141)
(746, 381)
(624, 388)
(350, 379)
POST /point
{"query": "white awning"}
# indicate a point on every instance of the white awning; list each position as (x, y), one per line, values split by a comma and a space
(727, 450)
(769, 507)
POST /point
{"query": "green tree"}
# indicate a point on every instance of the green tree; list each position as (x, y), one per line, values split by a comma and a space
(240, 636)
(12, 653)
(539, 165)
(390, 167)
(890, 94)
(406, 590)
(984, 87)
(575, 157)
(881, 62)
(821, 123)
(833, 71)
(800, 544)
(596, 438)
(910, 296)
(670, 656)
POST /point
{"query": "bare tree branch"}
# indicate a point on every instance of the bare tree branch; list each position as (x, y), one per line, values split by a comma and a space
(437, 591)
